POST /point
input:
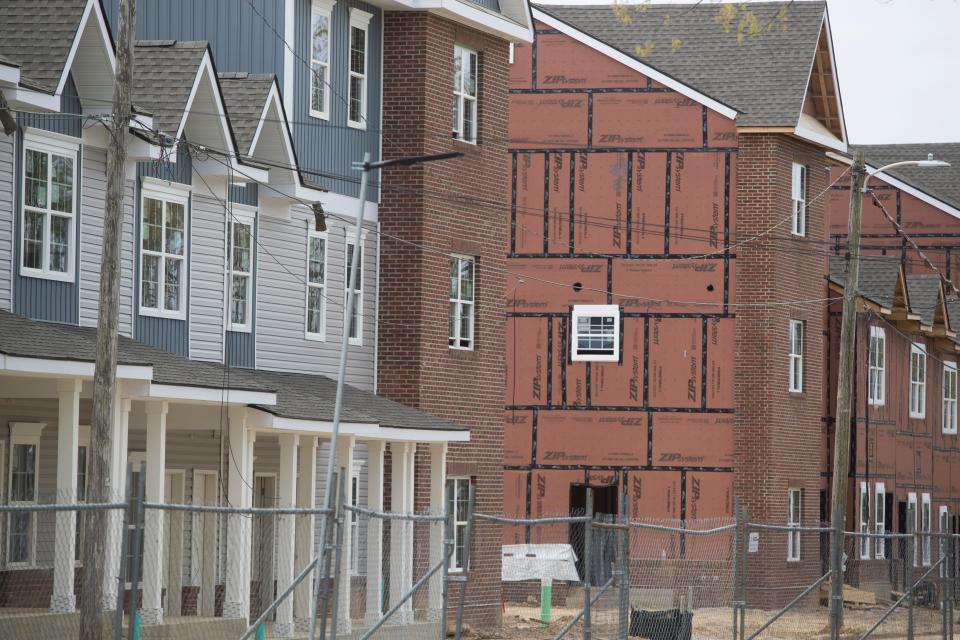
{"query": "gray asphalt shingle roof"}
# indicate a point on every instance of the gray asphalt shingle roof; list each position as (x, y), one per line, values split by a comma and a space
(245, 95)
(299, 395)
(943, 183)
(38, 36)
(163, 75)
(876, 279)
(924, 296)
(764, 78)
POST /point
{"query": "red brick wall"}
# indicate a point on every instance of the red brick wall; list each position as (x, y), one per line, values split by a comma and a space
(456, 206)
(779, 441)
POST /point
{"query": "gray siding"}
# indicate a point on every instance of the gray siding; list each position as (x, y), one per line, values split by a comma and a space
(207, 279)
(6, 221)
(492, 5)
(281, 303)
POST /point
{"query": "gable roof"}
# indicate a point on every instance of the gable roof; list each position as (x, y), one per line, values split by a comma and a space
(924, 296)
(39, 36)
(245, 95)
(877, 277)
(163, 75)
(764, 78)
(942, 183)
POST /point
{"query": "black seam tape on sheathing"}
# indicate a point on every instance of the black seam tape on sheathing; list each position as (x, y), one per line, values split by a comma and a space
(609, 280)
(546, 203)
(590, 120)
(646, 361)
(649, 439)
(529, 504)
(513, 205)
(573, 184)
(683, 512)
(563, 362)
(533, 63)
(704, 127)
(726, 231)
(550, 360)
(620, 338)
(588, 374)
(703, 367)
(533, 437)
(629, 202)
(666, 204)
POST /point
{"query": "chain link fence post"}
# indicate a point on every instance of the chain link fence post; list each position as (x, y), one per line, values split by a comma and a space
(121, 578)
(908, 566)
(734, 556)
(623, 564)
(744, 542)
(136, 555)
(587, 562)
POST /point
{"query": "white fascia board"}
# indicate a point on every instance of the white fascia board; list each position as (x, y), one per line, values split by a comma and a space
(92, 8)
(265, 420)
(818, 135)
(61, 368)
(482, 19)
(9, 75)
(836, 77)
(205, 71)
(341, 205)
(903, 186)
(272, 97)
(208, 394)
(636, 65)
(810, 128)
(31, 100)
(423, 435)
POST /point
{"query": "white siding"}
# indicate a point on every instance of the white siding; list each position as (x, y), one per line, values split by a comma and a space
(6, 220)
(207, 290)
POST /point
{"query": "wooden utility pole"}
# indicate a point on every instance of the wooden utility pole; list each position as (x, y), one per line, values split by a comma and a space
(841, 429)
(105, 374)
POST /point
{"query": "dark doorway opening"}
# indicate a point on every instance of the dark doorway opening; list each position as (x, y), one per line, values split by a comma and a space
(604, 504)
(824, 536)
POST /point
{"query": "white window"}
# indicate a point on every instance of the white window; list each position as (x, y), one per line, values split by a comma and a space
(458, 498)
(461, 302)
(925, 528)
(796, 356)
(22, 489)
(464, 94)
(316, 285)
(320, 18)
(163, 267)
(596, 332)
(354, 526)
(794, 509)
(912, 526)
(877, 358)
(864, 521)
(357, 97)
(241, 275)
(943, 528)
(356, 321)
(880, 521)
(949, 420)
(49, 234)
(918, 380)
(798, 219)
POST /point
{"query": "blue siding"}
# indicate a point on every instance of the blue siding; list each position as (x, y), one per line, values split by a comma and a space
(180, 171)
(38, 298)
(247, 194)
(241, 348)
(163, 333)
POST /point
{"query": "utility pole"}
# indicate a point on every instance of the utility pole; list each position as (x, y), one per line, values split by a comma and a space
(841, 429)
(105, 373)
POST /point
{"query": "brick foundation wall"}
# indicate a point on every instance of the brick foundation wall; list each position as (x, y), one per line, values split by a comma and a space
(456, 206)
(779, 441)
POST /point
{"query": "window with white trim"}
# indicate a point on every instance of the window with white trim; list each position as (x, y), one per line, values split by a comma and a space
(918, 380)
(461, 302)
(864, 521)
(458, 498)
(357, 83)
(876, 367)
(48, 226)
(22, 489)
(163, 267)
(241, 275)
(880, 520)
(794, 511)
(949, 413)
(925, 528)
(595, 332)
(464, 94)
(356, 321)
(798, 219)
(944, 527)
(796, 356)
(354, 526)
(316, 284)
(912, 526)
(321, 13)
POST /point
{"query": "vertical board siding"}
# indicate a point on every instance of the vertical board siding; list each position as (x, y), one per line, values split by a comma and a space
(492, 5)
(207, 278)
(326, 149)
(7, 215)
(180, 171)
(247, 194)
(281, 319)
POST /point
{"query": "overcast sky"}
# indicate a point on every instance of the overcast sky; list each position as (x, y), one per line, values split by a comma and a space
(899, 67)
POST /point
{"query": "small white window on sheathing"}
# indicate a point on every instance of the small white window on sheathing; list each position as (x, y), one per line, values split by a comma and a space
(796, 356)
(876, 376)
(798, 226)
(595, 333)
(918, 380)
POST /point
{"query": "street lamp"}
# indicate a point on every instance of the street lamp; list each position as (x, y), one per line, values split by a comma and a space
(859, 178)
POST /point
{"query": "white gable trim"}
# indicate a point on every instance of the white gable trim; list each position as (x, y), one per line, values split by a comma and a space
(635, 64)
(93, 7)
(273, 99)
(206, 71)
(816, 132)
(836, 76)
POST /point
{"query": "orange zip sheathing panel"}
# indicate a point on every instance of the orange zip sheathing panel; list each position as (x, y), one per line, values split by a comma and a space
(565, 64)
(539, 121)
(669, 120)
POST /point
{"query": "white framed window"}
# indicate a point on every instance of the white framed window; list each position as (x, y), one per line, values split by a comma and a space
(357, 82)
(465, 94)
(880, 520)
(925, 527)
(949, 413)
(796, 356)
(864, 521)
(918, 380)
(798, 219)
(462, 275)
(944, 527)
(595, 332)
(458, 498)
(354, 526)
(794, 518)
(163, 251)
(48, 224)
(242, 262)
(316, 285)
(912, 526)
(22, 489)
(876, 371)
(356, 321)
(321, 17)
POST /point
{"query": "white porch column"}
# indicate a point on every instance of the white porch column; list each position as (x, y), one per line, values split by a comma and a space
(286, 533)
(345, 449)
(237, 597)
(401, 531)
(438, 481)
(307, 498)
(118, 487)
(374, 575)
(152, 612)
(63, 599)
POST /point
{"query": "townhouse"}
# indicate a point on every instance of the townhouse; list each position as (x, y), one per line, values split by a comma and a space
(237, 230)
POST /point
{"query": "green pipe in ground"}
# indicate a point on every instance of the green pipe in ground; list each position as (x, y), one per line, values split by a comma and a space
(546, 598)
